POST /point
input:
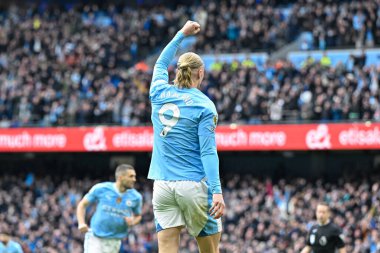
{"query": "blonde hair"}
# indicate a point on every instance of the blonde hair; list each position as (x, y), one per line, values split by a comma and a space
(186, 63)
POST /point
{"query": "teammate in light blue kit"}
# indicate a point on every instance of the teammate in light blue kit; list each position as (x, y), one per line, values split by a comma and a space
(185, 165)
(118, 209)
(9, 246)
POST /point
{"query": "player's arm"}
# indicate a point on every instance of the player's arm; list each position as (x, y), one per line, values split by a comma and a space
(19, 248)
(340, 241)
(160, 71)
(81, 214)
(136, 218)
(132, 221)
(307, 249)
(210, 162)
(342, 250)
(90, 197)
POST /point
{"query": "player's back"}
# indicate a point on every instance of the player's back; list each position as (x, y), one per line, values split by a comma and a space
(176, 115)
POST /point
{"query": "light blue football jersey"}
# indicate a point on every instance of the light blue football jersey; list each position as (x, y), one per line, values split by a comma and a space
(112, 207)
(11, 247)
(184, 122)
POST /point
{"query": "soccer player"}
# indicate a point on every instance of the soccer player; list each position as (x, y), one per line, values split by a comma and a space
(9, 246)
(324, 237)
(118, 209)
(185, 164)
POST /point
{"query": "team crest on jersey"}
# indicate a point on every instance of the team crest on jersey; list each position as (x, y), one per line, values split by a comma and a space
(118, 200)
(215, 119)
(323, 241)
(128, 203)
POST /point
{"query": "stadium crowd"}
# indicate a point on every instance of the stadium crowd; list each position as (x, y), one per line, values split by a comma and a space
(236, 26)
(241, 93)
(71, 66)
(262, 216)
(338, 23)
(317, 92)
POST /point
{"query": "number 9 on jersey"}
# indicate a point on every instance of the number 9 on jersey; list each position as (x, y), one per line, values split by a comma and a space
(168, 122)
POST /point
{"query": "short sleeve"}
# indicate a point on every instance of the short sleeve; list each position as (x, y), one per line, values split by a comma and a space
(339, 238)
(94, 194)
(208, 123)
(308, 243)
(19, 248)
(138, 207)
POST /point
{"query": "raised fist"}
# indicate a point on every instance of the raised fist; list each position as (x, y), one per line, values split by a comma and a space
(191, 28)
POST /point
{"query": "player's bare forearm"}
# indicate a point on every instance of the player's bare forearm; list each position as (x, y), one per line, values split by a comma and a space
(81, 213)
(132, 221)
(137, 219)
(342, 250)
(307, 249)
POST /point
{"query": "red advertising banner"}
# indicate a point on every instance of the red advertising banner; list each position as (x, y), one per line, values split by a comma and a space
(356, 136)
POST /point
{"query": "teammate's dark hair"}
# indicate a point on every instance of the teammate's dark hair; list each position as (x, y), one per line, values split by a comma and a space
(122, 168)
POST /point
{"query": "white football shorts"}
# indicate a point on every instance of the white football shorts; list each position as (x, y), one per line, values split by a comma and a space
(184, 203)
(94, 244)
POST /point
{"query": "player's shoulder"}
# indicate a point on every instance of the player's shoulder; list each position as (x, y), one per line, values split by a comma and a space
(211, 107)
(103, 185)
(14, 244)
(136, 194)
(157, 87)
(209, 110)
(204, 102)
(203, 97)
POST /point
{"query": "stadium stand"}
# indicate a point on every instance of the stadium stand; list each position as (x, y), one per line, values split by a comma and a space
(338, 23)
(70, 66)
(262, 216)
(317, 92)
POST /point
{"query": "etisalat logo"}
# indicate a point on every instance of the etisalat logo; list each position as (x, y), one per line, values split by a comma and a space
(95, 140)
(319, 138)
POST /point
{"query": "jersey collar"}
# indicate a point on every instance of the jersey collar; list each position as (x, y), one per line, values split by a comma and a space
(117, 190)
